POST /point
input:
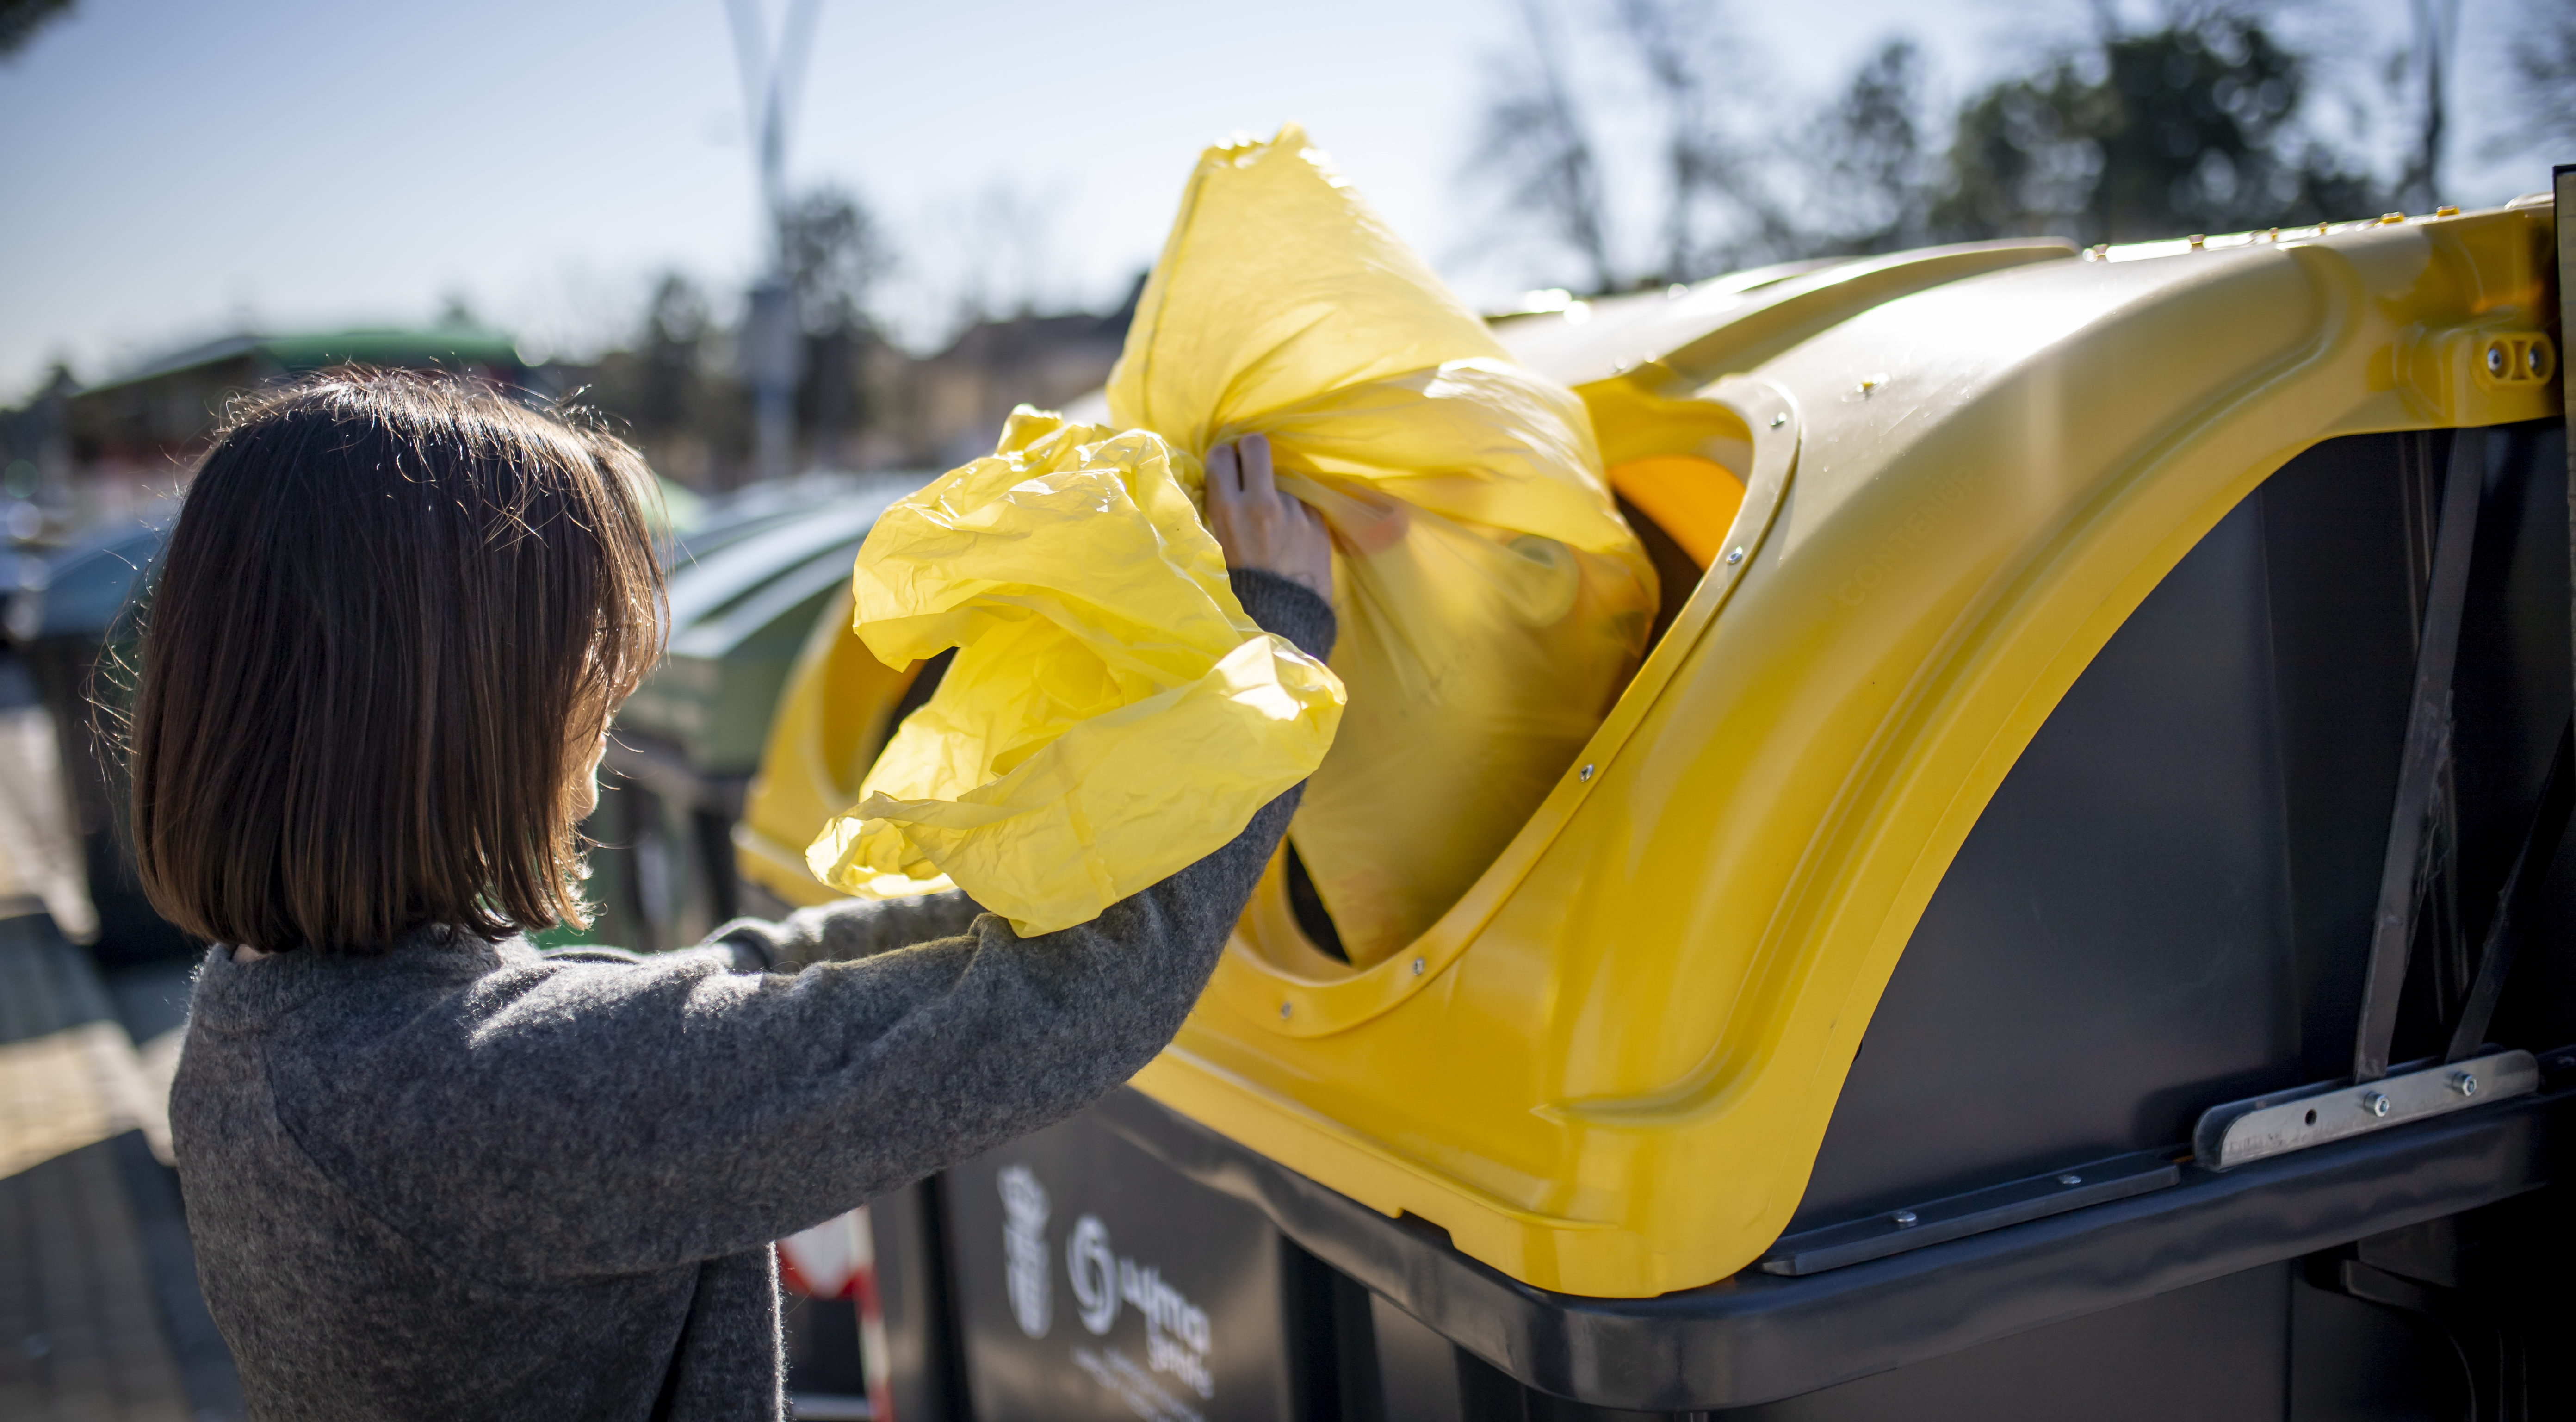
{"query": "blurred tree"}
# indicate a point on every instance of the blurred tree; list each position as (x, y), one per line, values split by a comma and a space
(1535, 145)
(668, 390)
(1712, 181)
(834, 255)
(673, 364)
(2022, 156)
(2437, 33)
(21, 19)
(834, 401)
(2188, 127)
(2544, 80)
(677, 386)
(2193, 124)
(1872, 176)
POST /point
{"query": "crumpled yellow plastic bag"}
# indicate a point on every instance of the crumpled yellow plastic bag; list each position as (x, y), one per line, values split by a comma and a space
(1492, 601)
(1112, 715)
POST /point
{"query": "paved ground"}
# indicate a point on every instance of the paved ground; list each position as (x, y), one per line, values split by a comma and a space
(38, 858)
(100, 1319)
(99, 1312)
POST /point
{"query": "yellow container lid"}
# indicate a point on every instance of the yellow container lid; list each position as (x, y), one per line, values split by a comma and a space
(1608, 1069)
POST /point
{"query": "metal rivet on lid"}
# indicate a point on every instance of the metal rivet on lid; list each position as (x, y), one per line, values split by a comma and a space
(2070, 1178)
(1905, 1219)
(1734, 556)
(1283, 1011)
(1417, 967)
(1585, 773)
(1779, 418)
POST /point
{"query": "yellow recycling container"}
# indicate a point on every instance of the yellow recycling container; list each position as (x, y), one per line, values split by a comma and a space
(1608, 1069)
(1947, 479)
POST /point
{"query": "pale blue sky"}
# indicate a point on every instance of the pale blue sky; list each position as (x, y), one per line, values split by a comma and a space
(169, 170)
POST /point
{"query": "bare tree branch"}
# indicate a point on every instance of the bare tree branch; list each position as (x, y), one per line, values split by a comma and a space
(1535, 145)
(1871, 178)
(2437, 33)
(1662, 35)
(21, 19)
(1721, 203)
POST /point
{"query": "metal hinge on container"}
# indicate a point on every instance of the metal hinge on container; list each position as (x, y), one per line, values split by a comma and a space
(2285, 1121)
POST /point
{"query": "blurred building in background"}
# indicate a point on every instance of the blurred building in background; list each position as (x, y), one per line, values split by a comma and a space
(961, 396)
(80, 456)
(863, 404)
(132, 438)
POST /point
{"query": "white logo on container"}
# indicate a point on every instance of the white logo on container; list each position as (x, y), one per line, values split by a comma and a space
(1024, 1251)
(1176, 1330)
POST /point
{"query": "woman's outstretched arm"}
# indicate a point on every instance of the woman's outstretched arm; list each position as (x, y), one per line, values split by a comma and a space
(617, 1117)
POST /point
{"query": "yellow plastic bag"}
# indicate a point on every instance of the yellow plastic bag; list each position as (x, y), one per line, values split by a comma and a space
(1112, 715)
(1492, 601)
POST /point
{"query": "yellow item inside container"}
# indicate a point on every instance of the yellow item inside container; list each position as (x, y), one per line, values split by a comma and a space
(1492, 601)
(1111, 715)
(1691, 498)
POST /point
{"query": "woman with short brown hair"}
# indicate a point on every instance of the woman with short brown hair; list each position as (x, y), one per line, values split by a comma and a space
(432, 1172)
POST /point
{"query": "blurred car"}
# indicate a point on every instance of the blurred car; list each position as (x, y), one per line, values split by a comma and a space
(71, 619)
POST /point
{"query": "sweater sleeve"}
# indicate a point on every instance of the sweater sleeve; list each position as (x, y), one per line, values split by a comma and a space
(863, 928)
(676, 1110)
(843, 932)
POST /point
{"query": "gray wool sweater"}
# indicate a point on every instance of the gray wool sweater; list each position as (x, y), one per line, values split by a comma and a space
(466, 1179)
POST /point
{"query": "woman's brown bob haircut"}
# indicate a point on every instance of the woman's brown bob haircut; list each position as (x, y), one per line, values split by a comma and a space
(394, 617)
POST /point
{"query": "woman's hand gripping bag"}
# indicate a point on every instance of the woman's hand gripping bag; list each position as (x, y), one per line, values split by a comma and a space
(1492, 601)
(1112, 715)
